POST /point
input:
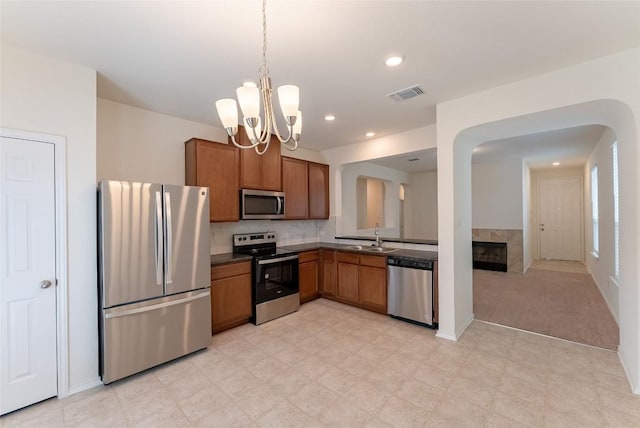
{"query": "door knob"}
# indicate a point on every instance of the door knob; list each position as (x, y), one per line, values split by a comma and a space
(45, 284)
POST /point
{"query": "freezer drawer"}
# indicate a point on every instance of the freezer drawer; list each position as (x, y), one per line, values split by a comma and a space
(142, 335)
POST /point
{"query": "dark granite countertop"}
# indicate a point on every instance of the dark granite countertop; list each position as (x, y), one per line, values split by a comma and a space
(218, 259)
(416, 254)
(401, 240)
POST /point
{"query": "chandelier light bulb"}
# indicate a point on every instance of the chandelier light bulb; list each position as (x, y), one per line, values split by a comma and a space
(249, 131)
(289, 96)
(249, 99)
(228, 112)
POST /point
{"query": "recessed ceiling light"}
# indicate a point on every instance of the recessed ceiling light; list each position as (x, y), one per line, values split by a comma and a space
(249, 84)
(555, 163)
(329, 117)
(370, 134)
(394, 61)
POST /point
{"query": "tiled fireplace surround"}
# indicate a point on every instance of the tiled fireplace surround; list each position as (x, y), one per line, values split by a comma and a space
(513, 238)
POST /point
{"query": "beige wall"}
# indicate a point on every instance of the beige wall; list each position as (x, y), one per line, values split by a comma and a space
(421, 205)
(496, 194)
(45, 95)
(140, 145)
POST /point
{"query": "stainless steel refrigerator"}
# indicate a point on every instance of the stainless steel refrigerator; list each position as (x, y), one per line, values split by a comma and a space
(154, 275)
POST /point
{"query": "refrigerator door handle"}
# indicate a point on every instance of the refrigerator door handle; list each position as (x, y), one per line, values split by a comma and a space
(141, 309)
(158, 233)
(168, 248)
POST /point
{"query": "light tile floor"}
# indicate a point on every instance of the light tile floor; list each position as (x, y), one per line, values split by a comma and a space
(334, 365)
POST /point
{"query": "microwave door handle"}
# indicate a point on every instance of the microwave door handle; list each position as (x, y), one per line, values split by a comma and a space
(280, 210)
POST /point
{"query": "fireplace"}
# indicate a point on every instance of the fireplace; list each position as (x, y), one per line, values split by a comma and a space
(490, 255)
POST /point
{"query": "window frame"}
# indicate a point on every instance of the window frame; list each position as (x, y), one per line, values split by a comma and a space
(595, 217)
(616, 209)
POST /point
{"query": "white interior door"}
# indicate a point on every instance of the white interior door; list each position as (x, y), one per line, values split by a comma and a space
(28, 363)
(560, 227)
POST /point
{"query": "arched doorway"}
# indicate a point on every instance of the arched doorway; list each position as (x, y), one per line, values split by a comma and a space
(455, 145)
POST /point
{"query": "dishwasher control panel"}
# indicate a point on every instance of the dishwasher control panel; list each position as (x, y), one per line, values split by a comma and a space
(410, 263)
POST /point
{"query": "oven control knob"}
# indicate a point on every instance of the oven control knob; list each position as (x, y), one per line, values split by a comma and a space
(266, 276)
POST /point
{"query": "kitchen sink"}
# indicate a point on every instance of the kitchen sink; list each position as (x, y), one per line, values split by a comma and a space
(379, 249)
(382, 250)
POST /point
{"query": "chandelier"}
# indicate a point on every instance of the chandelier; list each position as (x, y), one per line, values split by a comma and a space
(259, 131)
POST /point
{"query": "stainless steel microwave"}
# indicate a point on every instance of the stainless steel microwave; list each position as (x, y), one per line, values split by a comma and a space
(261, 204)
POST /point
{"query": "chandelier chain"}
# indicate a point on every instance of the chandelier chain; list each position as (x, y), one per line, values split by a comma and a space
(264, 69)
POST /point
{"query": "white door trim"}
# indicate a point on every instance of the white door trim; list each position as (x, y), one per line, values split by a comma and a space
(60, 174)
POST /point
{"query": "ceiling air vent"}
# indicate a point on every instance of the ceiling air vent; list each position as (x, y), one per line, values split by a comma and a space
(405, 94)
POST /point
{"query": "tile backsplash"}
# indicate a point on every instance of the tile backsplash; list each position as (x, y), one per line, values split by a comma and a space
(289, 232)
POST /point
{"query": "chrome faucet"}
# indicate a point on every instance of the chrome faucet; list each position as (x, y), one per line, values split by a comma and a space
(378, 240)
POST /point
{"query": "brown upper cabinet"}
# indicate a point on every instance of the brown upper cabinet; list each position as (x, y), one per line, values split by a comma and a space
(261, 172)
(295, 180)
(318, 190)
(306, 188)
(214, 165)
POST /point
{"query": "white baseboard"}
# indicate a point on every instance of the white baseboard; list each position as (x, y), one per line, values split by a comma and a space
(465, 326)
(635, 389)
(604, 297)
(458, 333)
(446, 336)
(83, 387)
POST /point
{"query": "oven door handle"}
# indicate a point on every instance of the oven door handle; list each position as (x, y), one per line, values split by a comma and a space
(277, 260)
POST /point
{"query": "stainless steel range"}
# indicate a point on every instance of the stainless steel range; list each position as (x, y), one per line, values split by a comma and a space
(275, 290)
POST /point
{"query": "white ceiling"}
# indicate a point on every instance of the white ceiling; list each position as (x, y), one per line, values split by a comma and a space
(178, 57)
(570, 147)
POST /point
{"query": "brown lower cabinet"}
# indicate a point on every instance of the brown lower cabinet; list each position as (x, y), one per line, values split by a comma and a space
(309, 275)
(361, 280)
(328, 272)
(230, 295)
(347, 276)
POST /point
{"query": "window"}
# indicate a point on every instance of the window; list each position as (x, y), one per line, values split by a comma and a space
(594, 209)
(616, 212)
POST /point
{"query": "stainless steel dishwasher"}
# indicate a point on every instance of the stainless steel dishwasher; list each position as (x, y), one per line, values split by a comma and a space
(410, 291)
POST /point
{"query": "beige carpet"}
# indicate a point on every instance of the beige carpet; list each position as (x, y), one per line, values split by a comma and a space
(553, 302)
